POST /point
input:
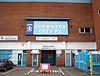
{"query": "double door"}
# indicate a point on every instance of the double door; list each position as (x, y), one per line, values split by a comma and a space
(22, 59)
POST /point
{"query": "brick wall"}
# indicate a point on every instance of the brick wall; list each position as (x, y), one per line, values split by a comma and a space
(12, 18)
(61, 61)
(29, 58)
(96, 7)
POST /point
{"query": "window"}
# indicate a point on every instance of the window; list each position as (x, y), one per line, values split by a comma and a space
(6, 54)
(98, 11)
(86, 30)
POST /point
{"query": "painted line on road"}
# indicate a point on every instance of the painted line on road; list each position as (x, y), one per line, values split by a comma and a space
(61, 71)
(30, 71)
(9, 71)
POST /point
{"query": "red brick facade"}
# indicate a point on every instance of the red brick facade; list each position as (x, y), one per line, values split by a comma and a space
(96, 7)
(29, 58)
(61, 61)
(12, 21)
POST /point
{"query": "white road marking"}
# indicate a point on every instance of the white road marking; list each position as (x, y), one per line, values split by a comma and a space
(54, 71)
(9, 71)
(30, 71)
(61, 71)
(37, 71)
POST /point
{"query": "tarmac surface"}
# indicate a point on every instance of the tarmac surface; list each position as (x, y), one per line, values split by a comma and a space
(34, 71)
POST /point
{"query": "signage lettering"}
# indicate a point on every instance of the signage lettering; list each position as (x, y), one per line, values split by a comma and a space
(46, 27)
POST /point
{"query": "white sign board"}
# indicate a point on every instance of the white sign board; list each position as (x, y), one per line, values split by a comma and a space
(50, 28)
(8, 37)
(44, 66)
(48, 47)
(47, 38)
(58, 51)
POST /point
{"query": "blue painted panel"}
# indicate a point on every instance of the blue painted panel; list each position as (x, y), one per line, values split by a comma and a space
(81, 61)
(71, 1)
(29, 28)
(6, 54)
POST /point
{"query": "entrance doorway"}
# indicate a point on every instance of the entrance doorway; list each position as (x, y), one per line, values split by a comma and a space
(22, 59)
(49, 56)
(35, 60)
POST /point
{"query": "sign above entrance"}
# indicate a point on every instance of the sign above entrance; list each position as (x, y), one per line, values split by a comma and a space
(48, 47)
(47, 26)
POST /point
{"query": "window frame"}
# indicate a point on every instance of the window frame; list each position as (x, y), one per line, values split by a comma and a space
(98, 11)
(84, 32)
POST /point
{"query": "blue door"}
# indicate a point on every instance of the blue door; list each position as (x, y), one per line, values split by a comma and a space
(34, 59)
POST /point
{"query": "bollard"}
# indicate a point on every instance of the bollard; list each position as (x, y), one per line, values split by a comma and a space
(90, 64)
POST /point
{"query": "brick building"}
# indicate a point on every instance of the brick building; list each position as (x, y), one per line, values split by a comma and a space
(29, 31)
(96, 16)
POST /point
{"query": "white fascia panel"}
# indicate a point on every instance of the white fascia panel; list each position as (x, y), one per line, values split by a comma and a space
(14, 45)
(81, 45)
(56, 45)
